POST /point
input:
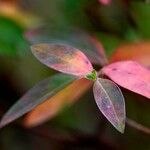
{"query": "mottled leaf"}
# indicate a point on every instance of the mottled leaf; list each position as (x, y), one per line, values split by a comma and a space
(51, 107)
(38, 94)
(139, 51)
(110, 101)
(87, 43)
(130, 75)
(63, 58)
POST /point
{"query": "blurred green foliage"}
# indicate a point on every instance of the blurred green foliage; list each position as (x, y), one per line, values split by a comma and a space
(12, 42)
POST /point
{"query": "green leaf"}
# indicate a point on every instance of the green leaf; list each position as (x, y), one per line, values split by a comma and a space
(110, 101)
(92, 76)
(37, 95)
(12, 42)
(141, 17)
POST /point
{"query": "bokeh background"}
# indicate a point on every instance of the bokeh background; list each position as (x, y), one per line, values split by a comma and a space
(121, 27)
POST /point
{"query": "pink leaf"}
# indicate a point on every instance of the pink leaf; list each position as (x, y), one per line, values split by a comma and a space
(105, 2)
(130, 75)
(110, 101)
(63, 58)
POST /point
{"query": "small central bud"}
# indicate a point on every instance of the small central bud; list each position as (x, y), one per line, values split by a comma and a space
(92, 76)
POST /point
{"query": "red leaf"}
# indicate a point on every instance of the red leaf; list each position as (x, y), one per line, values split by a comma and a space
(130, 75)
(139, 51)
(63, 58)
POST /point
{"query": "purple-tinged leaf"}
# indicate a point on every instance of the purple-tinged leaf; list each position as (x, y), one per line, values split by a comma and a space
(38, 94)
(110, 101)
(130, 75)
(87, 43)
(63, 58)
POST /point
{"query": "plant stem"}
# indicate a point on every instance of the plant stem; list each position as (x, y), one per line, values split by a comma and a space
(137, 126)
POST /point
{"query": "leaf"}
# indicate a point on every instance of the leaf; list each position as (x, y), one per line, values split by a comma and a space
(92, 76)
(12, 42)
(38, 94)
(141, 17)
(110, 101)
(55, 104)
(87, 43)
(63, 58)
(105, 2)
(21, 17)
(130, 75)
(139, 51)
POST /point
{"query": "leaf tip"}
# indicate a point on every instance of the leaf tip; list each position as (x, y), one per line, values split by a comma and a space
(33, 48)
(37, 47)
(121, 127)
(1, 125)
(4, 121)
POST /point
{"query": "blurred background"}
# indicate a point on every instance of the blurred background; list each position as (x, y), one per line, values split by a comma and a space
(120, 27)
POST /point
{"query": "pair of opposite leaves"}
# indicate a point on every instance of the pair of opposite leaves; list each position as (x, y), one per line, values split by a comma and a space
(108, 96)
